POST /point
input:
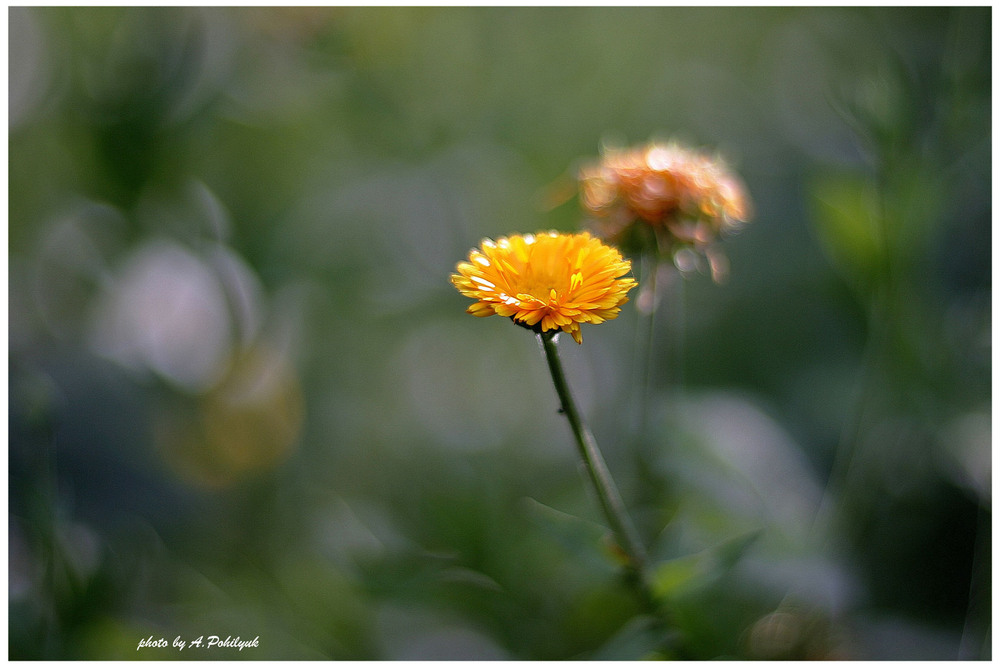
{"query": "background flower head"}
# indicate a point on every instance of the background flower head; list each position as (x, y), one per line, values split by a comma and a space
(546, 281)
(687, 197)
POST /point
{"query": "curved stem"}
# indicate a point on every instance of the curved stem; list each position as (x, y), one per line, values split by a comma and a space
(607, 493)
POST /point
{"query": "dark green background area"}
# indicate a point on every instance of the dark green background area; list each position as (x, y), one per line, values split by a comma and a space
(245, 400)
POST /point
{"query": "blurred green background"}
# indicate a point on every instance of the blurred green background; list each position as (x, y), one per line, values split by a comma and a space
(245, 400)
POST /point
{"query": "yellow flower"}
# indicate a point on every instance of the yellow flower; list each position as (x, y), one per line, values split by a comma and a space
(546, 281)
(687, 197)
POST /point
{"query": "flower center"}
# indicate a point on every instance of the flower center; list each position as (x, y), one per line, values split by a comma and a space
(540, 284)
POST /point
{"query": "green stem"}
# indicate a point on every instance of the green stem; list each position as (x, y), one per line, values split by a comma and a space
(597, 469)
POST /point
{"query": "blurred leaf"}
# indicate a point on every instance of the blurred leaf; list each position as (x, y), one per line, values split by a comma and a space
(327, 608)
(672, 576)
(847, 219)
(109, 638)
(642, 638)
(675, 577)
(577, 535)
(468, 577)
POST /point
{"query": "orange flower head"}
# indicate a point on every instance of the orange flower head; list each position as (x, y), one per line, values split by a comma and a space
(687, 197)
(546, 281)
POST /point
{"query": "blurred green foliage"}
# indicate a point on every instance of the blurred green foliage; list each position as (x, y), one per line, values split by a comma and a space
(244, 399)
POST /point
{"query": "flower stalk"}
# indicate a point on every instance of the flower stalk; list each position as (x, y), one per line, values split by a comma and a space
(607, 493)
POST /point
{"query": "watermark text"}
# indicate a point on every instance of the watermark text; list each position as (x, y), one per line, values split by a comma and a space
(200, 642)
